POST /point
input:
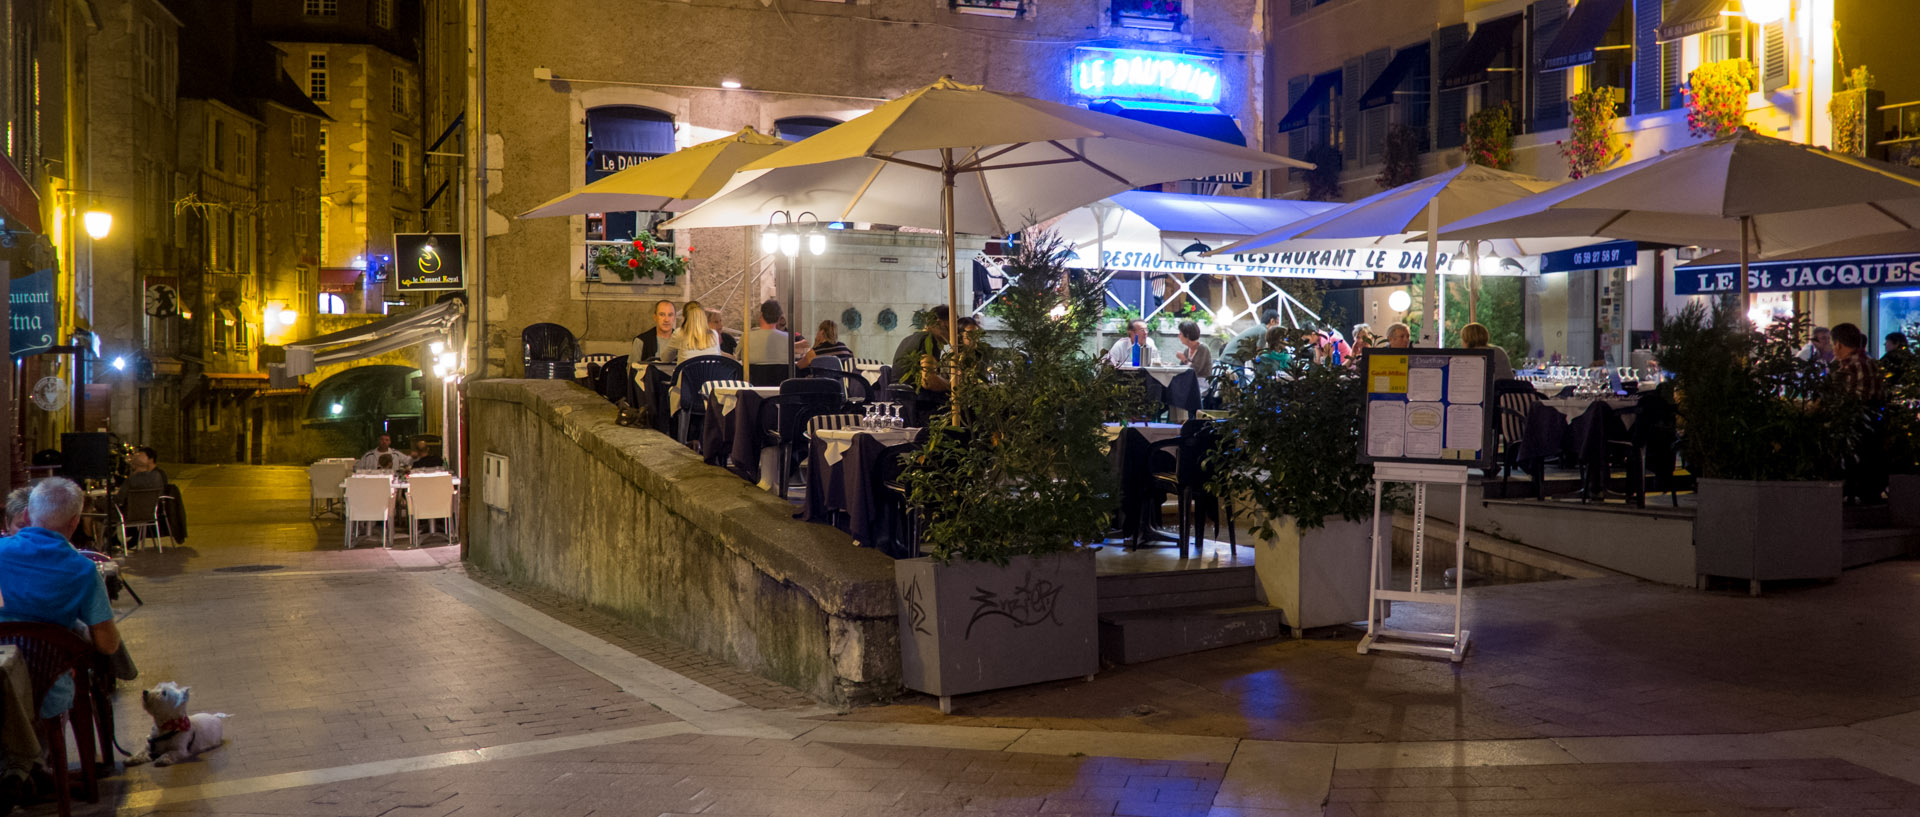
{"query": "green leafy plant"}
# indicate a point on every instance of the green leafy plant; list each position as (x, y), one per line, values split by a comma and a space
(1120, 314)
(1490, 137)
(1751, 408)
(1716, 96)
(1028, 474)
(1401, 164)
(644, 258)
(1591, 145)
(1168, 320)
(1290, 444)
(1323, 180)
(1848, 110)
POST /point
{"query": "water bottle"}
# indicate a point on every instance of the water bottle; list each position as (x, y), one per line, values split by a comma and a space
(1136, 355)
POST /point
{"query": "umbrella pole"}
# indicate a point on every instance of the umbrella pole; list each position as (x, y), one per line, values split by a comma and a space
(1746, 298)
(793, 315)
(746, 316)
(953, 282)
(1473, 281)
(1429, 329)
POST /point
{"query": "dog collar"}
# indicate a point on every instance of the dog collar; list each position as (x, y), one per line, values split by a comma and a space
(176, 725)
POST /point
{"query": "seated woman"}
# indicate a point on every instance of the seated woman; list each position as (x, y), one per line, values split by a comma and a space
(826, 343)
(1275, 355)
(694, 338)
(1476, 336)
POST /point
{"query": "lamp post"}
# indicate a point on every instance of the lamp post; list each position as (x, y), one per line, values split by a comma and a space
(785, 233)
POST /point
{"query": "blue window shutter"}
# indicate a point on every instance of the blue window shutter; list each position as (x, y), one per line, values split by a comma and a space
(1649, 71)
(1450, 107)
(1549, 87)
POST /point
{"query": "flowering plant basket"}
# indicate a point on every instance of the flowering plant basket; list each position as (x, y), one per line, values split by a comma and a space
(1716, 95)
(1591, 144)
(1490, 137)
(644, 259)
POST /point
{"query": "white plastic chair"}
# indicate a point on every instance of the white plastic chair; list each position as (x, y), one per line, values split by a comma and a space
(140, 513)
(429, 497)
(324, 478)
(369, 499)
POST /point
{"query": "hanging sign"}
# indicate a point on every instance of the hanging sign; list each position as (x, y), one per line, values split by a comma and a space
(427, 261)
(1146, 260)
(1799, 276)
(162, 298)
(18, 202)
(1125, 73)
(34, 314)
(1598, 256)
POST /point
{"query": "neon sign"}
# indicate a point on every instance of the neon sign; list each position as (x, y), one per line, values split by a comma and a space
(1120, 73)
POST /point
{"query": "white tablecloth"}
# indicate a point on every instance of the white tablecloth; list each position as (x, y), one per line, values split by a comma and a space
(1164, 374)
(1576, 406)
(730, 395)
(870, 371)
(1153, 432)
(841, 439)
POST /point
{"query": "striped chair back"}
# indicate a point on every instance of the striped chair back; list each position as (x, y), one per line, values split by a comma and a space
(820, 421)
(596, 358)
(706, 389)
(1515, 407)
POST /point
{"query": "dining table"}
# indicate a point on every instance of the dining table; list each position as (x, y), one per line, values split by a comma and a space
(1178, 387)
(1131, 455)
(726, 409)
(841, 466)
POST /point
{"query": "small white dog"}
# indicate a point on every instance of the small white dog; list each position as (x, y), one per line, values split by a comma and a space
(176, 735)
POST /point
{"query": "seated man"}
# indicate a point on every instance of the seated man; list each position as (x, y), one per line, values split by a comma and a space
(382, 457)
(43, 579)
(422, 457)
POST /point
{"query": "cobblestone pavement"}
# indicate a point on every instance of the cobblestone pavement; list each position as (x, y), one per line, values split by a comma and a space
(379, 683)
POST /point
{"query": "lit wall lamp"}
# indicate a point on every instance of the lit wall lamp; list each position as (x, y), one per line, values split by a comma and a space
(784, 234)
(98, 224)
(1398, 300)
(1765, 12)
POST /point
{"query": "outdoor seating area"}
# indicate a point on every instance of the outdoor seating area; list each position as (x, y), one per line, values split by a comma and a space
(390, 503)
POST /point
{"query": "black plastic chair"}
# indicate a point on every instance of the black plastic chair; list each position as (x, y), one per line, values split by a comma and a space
(767, 374)
(899, 530)
(856, 387)
(615, 382)
(783, 422)
(51, 651)
(1188, 482)
(549, 351)
(830, 362)
(1514, 400)
(690, 376)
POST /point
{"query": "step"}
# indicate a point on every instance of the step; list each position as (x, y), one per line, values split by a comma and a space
(1862, 546)
(1130, 592)
(1148, 635)
(1860, 517)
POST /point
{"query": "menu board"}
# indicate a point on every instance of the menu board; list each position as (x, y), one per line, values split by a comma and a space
(1429, 406)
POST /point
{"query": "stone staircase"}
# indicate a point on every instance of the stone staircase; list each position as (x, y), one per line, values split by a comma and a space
(1148, 616)
(1872, 535)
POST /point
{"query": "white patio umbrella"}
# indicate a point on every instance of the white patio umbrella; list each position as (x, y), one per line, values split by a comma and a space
(1414, 210)
(961, 159)
(1748, 192)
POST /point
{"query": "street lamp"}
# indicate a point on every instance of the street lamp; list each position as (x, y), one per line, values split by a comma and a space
(784, 234)
(98, 223)
(1765, 12)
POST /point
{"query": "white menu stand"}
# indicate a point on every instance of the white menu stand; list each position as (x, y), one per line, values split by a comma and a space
(1451, 645)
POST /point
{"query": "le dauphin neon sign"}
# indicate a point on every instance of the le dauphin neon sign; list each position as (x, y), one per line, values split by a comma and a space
(1122, 73)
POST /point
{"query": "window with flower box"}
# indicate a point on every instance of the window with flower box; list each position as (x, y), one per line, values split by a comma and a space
(990, 8)
(1159, 15)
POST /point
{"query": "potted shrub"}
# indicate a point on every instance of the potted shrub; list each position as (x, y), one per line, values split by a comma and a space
(1289, 456)
(1007, 595)
(1768, 435)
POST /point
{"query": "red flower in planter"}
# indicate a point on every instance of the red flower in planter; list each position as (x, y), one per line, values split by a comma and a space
(633, 263)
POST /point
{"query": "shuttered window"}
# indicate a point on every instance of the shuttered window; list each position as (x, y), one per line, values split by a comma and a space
(1774, 63)
(1373, 123)
(1549, 87)
(1450, 107)
(1297, 138)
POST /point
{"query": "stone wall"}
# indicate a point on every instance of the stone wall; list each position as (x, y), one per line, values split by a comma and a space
(631, 522)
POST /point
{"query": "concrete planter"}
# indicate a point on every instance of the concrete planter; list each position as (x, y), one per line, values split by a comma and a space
(1903, 500)
(971, 626)
(1317, 578)
(1765, 531)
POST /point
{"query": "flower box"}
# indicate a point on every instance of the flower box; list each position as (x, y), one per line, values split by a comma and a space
(990, 8)
(1159, 15)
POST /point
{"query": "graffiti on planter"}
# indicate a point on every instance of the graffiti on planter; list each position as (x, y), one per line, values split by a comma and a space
(1031, 602)
(916, 615)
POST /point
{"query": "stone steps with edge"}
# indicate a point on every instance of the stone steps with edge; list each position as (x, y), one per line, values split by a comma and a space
(1148, 635)
(1131, 592)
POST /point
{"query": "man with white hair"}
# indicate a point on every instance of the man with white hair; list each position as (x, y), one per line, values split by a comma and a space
(43, 579)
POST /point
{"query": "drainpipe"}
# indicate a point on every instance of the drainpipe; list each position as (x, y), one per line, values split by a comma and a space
(479, 252)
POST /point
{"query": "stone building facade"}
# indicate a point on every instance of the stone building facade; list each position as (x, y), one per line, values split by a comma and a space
(667, 76)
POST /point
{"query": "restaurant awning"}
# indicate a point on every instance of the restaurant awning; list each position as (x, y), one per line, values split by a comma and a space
(1581, 34)
(340, 279)
(1318, 93)
(437, 322)
(1689, 17)
(1199, 120)
(1488, 40)
(1388, 83)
